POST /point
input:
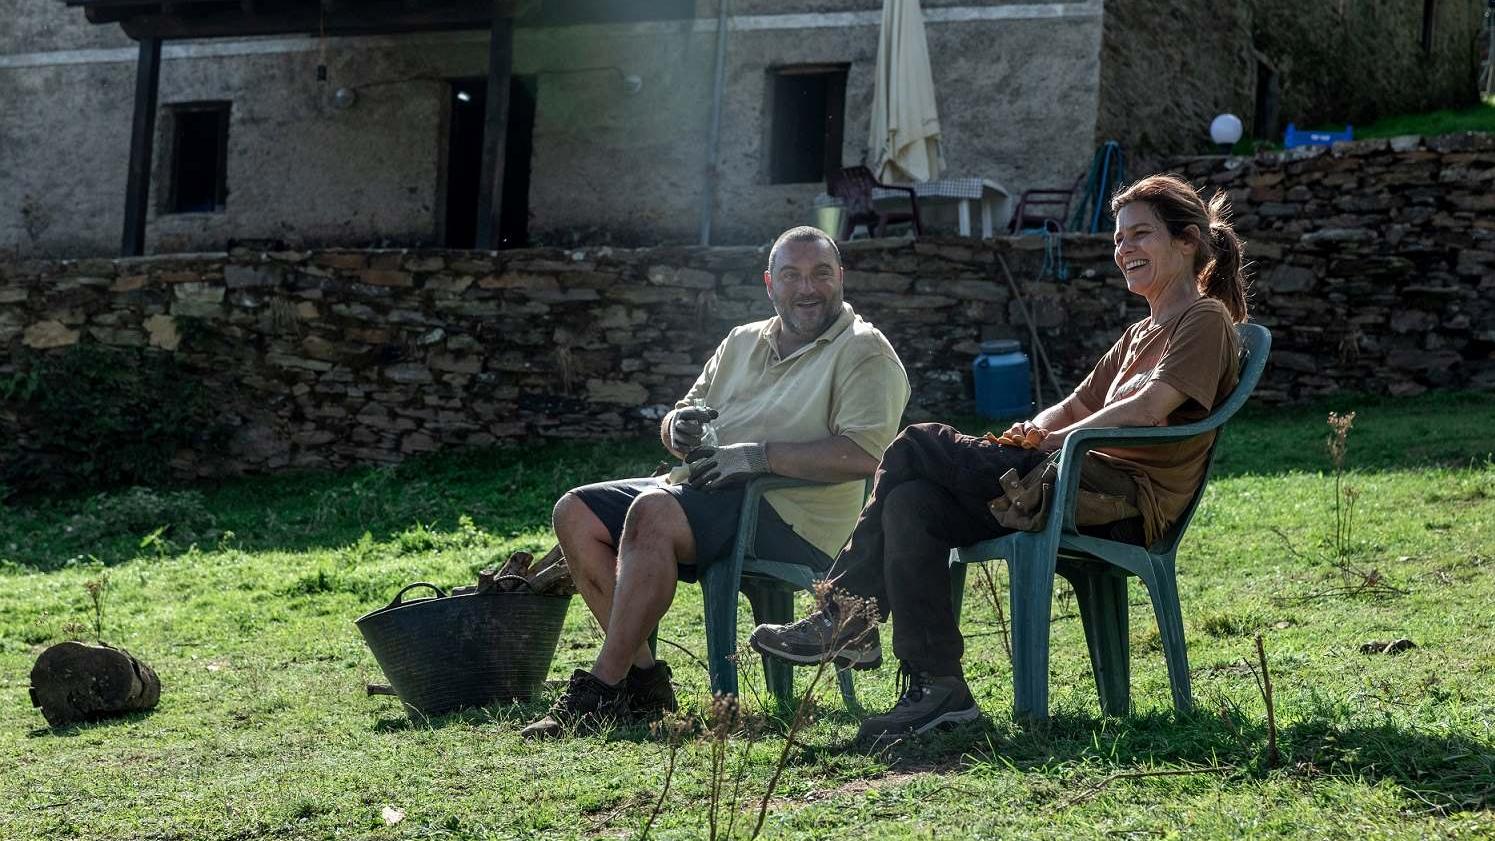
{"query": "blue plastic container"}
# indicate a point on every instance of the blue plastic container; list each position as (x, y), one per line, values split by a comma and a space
(1004, 388)
(1294, 137)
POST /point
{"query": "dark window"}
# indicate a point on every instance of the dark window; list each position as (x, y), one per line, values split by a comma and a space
(1268, 101)
(1428, 15)
(464, 161)
(199, 169)
(809, 108)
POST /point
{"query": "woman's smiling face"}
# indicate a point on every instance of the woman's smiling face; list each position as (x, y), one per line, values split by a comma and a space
(1150, 258)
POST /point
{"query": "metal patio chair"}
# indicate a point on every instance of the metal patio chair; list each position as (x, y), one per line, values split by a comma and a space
(853, 185)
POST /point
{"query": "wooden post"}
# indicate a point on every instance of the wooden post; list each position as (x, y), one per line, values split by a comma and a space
(142, 143)
(495, 125)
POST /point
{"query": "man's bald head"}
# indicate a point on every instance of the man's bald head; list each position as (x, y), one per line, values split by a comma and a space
(803, 233)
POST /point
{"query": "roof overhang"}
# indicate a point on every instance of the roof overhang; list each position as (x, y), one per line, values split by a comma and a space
(243, 18)
(168, 19)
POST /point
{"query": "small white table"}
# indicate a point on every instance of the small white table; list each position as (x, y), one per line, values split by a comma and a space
(996, 202)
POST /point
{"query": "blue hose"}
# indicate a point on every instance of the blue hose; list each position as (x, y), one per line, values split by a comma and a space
(1053, 252)
(1107, 171)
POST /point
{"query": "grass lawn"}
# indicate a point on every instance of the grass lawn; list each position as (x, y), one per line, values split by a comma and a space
(1479, 117)
(245, 606)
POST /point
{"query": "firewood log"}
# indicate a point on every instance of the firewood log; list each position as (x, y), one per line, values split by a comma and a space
(517, 564)
(552, 576)
(75, 681)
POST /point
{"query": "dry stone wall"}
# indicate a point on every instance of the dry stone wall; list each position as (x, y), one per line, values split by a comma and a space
(1375, 262)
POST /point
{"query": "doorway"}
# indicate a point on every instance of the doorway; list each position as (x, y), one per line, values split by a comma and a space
(467, 107)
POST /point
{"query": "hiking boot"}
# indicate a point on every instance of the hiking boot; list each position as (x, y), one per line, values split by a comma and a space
(927, 702)
(649, 691)
(586, 704)
(819, 637)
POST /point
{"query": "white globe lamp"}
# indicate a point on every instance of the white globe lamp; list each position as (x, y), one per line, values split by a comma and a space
(1225, 131)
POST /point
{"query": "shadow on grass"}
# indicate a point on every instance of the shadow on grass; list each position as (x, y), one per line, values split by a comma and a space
(1447, 773)
(507, 492)
(509, 718)
(67, 731)
(1434, 430)
(514, 714)
(503, 491)
(1443, 772)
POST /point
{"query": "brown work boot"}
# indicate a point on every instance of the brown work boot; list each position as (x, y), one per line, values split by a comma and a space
(926, 703)
(649, 691)
(586, 704)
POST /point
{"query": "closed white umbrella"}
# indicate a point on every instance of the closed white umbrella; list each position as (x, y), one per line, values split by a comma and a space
(905, 138)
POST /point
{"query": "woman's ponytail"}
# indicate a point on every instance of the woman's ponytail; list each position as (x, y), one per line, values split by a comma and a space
(1225, 277)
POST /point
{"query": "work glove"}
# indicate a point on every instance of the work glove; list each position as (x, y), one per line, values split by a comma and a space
(715, 468)
(688, 425)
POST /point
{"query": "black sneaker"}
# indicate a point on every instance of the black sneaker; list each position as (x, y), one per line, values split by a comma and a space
(928, 702)
(649, 690)
(587, 703)
(819, 637)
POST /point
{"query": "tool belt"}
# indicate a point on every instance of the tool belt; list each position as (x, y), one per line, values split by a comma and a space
(1025, 500)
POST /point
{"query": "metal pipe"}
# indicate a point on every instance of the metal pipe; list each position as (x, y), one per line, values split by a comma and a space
(713, 137)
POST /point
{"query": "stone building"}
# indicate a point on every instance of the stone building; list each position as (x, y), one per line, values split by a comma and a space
(610, 118)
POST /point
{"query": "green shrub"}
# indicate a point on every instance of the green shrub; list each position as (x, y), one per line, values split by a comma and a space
(104, 417)
(143, 513)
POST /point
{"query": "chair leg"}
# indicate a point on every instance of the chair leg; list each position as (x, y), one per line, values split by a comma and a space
(848, 691)
(1031, 570)
(720, 592)
(773, 602)
(1164, 591)
(1103, 611)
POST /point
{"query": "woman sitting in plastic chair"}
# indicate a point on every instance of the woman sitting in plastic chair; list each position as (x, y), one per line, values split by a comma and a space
(934, 488)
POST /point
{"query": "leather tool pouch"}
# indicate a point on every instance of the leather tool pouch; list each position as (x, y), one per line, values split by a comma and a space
(1025, 500)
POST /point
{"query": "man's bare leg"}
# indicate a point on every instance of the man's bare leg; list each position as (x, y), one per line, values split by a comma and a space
(656, 538)
(593, 561)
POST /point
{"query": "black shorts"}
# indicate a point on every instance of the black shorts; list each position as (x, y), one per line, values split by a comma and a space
(713, 517)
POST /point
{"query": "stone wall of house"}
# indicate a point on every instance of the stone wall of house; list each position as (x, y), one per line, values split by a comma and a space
(1169, 66)
(1356, 62)
(1375, 263)
(1016, 85)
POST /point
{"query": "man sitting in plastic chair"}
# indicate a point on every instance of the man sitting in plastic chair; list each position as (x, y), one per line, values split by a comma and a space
(814, 393)
(935, 487)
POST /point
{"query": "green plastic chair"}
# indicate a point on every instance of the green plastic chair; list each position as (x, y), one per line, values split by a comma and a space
(770, 586)
(1098, 568)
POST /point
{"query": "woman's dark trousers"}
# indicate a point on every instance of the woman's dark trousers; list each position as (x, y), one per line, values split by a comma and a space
(929, 494)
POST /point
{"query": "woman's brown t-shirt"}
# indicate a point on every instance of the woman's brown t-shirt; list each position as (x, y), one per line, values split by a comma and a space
(1196, 352)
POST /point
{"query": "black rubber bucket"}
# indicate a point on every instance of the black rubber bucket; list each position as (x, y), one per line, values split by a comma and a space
(449, 652)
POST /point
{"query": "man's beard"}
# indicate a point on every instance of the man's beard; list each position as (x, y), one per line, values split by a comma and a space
(801, 324)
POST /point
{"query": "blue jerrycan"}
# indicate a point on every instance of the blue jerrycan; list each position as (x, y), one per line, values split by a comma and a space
(1003, 386)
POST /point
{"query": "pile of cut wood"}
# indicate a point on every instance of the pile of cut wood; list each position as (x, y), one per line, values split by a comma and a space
(548, 576)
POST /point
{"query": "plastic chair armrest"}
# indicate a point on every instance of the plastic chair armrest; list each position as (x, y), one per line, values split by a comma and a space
(747, 516)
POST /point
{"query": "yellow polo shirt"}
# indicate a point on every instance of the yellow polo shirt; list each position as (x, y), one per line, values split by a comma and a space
(849, 381)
